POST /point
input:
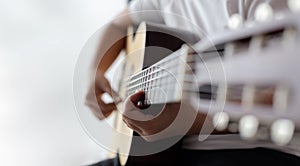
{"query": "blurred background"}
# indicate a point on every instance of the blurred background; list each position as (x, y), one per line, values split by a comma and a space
(40, 41)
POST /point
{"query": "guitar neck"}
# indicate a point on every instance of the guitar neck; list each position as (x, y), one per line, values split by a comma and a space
(162, 82)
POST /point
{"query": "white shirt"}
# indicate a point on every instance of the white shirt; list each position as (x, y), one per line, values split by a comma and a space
(181, 14)
(206, 17)
(203, 16)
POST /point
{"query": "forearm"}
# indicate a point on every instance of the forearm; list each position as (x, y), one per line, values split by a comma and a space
(111, 42)
(108, 51)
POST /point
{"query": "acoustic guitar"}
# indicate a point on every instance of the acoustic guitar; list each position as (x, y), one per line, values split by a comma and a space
(246, 79)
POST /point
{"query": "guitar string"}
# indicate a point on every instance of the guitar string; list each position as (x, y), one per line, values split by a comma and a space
(151, 74)
(153, 77)
(151, 71)
(155, 70)
(158, 69)
(146, 83)
(191, 87)
(166, 60)
(158, 78)
(155, 74)
(233, 93)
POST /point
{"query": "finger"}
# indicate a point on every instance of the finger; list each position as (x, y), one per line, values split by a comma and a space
(98, 113)
(105, 115)
(102, 85)
(136, 97)
(100, 109)
(91, 95)
(117, 99)
(131, 110)
(133, 127)
(106, 107)
(137, 116)
(140, 127)
(107, 88)
(101, 116)
(96, 110)
(99, 106)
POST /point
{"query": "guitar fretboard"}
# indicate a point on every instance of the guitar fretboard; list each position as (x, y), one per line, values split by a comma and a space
(161, 82)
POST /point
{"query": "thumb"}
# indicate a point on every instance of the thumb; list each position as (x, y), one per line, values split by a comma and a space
(131, 101)
(136, 97)
(108, 89)
(132, 112)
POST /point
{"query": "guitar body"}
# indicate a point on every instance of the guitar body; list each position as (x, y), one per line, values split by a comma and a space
(133, 63)
(147, 45)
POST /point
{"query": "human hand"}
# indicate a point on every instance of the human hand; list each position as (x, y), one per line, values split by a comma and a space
(94, 97)
(172, 120)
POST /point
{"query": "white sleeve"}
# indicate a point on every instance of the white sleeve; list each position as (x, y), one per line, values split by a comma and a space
(146, 10)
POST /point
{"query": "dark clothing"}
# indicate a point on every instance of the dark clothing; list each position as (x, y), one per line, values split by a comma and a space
(238, 157)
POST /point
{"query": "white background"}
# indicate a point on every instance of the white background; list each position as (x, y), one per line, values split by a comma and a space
(39, 43)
